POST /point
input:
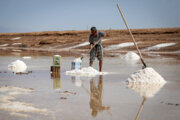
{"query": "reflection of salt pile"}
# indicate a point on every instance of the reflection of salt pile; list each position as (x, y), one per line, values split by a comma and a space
(146, 90)
(86, 71)
(147, 75)
(17, 66)
(76, 81)
(131, 56)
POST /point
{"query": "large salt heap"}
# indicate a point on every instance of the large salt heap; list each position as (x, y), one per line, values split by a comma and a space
(17, 66)
(147, 75)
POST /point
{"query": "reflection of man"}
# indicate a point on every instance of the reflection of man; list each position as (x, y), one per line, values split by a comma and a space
(96, 97)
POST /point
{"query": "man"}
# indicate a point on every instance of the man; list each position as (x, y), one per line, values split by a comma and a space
(96, 47)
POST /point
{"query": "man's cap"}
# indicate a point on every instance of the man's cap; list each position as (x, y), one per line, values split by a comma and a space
(93, 29)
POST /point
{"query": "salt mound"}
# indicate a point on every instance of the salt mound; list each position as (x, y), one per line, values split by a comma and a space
(27, 57)
(147, 75)
(86, 71)
(159, 46)
(146, 90)
(131, 56)
(17, 66)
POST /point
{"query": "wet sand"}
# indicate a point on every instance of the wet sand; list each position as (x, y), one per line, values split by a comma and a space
(104, 97)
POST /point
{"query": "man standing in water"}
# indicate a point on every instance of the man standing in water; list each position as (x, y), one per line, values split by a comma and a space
(96, 47)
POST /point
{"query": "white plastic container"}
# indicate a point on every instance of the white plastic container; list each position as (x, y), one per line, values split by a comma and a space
(76, 66)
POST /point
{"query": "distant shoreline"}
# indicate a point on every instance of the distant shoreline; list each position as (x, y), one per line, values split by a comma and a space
(64, 42)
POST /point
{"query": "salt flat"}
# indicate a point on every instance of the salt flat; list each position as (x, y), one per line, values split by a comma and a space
(106, 97)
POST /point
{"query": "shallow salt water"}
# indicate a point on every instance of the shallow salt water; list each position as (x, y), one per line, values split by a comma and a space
(102, 97)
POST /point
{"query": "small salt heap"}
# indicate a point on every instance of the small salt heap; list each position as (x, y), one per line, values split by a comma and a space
(147, 75)
(131, 56)
(17, 66)
(86, 71)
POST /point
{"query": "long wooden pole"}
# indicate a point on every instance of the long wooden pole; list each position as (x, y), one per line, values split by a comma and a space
(140, 109)
(132, 37)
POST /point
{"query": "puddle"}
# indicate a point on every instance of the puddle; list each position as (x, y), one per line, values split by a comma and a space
(47, 96)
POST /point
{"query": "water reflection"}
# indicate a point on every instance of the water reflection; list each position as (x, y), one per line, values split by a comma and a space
(96, 96)
(56, 76)
(96, 93)
(147, 90)
(76, 81)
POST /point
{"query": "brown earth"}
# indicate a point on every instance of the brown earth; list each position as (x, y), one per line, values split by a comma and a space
(54, 42)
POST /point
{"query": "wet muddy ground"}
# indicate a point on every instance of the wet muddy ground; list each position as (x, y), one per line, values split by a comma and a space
(38, 96)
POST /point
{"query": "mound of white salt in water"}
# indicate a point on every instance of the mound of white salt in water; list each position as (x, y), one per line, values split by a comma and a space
(17, 66)
(86, 71)
(146, 90)
(131, 56)
(147, 75)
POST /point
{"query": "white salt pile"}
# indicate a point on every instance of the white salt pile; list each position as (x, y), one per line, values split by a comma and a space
(26, 57)
(131, 56)
(16, 43)
(17, 66)
(17, 50)
(159, 46)
(146, 90)
(83, 44)
(118, 46)
(3, 45)
(78, 60)
(16, 38)
(86, 71)
(147, 75)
